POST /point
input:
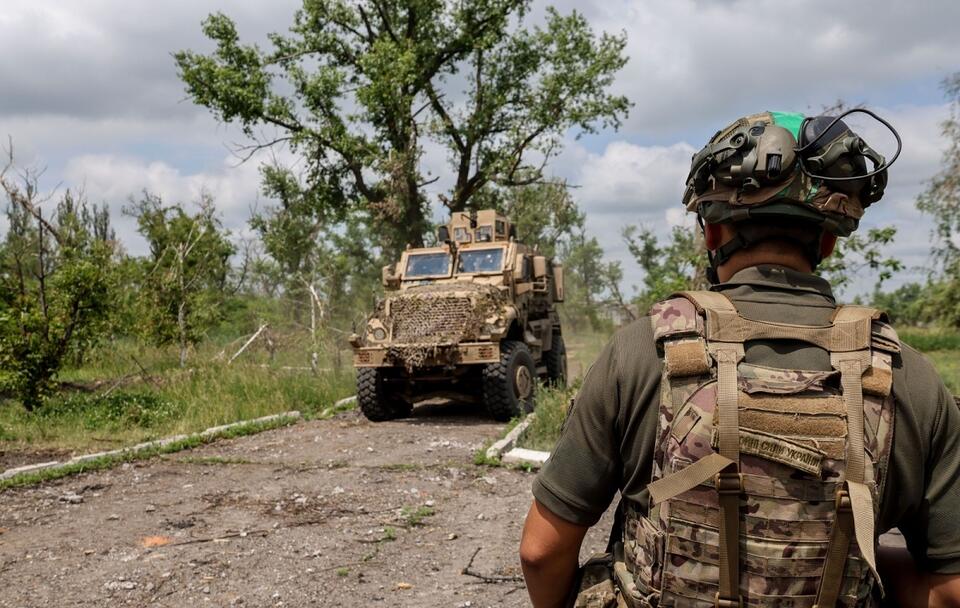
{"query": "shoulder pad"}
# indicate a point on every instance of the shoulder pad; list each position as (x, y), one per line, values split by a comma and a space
(675, 317)
(884, 337)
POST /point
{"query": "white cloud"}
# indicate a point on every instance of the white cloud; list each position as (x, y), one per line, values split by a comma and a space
(94, 96)
(631, 179)
(109, 58)
(115, 180)
(693, 64)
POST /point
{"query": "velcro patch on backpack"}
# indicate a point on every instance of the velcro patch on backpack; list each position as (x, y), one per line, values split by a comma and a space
(686, 358)
(778, 449)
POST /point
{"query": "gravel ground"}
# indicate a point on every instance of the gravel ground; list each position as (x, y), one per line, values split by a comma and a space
(340, 512)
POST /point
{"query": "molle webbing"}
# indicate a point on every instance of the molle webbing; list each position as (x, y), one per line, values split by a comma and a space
(840, 337)
(805, 449)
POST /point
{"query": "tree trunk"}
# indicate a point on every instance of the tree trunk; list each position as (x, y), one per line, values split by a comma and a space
(182, 333)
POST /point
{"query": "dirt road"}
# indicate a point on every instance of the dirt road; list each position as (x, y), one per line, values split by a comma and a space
(326, 513)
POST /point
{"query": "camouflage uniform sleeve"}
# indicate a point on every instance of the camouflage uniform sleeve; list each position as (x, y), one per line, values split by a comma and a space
(922, 494)
(605, 441)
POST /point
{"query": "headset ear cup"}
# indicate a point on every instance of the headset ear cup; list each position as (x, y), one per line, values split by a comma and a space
(874, 190)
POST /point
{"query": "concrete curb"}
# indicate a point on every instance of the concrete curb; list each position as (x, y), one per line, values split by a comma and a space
(330, 410)
(506, 451)
(149, 445)
(507, 443)
(522, 456)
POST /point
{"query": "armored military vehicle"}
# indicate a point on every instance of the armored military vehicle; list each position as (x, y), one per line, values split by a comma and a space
(473, 318)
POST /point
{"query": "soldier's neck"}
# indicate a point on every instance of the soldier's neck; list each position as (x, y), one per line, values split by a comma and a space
(760, 255)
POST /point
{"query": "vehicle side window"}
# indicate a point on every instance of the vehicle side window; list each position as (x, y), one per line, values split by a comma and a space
(501, 228)
(484, 234)
(527, 272)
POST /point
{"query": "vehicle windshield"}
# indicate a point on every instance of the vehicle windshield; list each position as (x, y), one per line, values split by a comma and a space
(481, 260)
(427, 265)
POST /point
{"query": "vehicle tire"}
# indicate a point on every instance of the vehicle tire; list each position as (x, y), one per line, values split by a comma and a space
(509, 386)
(556, 360)
(374, 398)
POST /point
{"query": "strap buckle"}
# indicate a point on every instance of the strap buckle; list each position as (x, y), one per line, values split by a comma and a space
(727, 602)
(728, 483)
(843, 502)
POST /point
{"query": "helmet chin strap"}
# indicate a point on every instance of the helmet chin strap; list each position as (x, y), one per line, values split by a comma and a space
(748, 236)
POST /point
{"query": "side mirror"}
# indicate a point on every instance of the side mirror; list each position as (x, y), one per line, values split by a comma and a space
(389, 277)
(539, 267)
(443, 234)
(558, 282)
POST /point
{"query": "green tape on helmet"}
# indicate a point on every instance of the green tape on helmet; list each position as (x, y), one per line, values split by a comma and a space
(791, 121)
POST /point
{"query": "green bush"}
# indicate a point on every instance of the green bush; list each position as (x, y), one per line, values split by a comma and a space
(931, 340)
(119, 410)
(552, 405)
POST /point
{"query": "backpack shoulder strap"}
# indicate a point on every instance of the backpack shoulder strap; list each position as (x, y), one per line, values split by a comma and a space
(846, 313)
(709, 300)
(854, 502)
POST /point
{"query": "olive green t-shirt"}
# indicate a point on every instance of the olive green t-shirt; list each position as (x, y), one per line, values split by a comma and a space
(607, 442)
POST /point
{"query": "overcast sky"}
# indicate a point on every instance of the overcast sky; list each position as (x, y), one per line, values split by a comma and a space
(90, 91)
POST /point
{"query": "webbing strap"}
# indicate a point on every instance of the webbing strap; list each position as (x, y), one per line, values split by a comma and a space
(728, 481)
(706, 300)
(841, 336)
(849, 312)
(851, 381)
(833, 567)
(688, 478)
(854, 503)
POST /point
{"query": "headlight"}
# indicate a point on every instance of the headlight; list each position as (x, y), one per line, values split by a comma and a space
(378, 333)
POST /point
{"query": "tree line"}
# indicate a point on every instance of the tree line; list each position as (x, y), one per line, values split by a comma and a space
(343, 105)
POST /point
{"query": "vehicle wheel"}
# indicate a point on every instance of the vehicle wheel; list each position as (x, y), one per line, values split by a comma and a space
(556, 361)
(374, 398)
(509, 386)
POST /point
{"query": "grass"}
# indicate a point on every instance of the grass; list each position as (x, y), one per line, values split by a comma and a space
(106, 462)
(927, 340)
(583, 349)
(480, 457)
(552, 406)
(169, 401)
(948, 364)
(414, 516)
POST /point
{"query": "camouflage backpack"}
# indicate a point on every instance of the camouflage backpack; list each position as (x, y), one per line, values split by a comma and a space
(764, 480)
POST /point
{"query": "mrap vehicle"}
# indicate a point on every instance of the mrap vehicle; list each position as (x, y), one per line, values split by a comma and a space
(473, 318)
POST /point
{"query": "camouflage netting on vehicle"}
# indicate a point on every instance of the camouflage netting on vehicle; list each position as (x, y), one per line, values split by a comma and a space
(424, 318)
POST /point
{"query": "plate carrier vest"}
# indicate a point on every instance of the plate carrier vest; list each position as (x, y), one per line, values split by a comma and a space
(764, 480)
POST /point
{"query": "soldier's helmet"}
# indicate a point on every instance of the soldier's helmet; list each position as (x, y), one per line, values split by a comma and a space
(787, 168)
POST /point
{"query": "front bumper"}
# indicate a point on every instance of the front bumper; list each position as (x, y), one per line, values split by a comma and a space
(437, 355)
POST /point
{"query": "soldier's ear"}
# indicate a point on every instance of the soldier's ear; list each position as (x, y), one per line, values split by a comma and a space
(828, 242)
(712, 236)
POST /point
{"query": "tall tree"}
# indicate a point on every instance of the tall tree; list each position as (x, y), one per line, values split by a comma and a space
(676, 265)
(860, 255)
(546, 216)
(54, 284)
(185, 276)
(356, 89)
(942, 201)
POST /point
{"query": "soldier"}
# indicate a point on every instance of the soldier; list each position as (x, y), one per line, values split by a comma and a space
(761, 436)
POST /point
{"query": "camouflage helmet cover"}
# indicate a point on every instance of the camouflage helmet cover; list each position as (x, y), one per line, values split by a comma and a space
(751, 169)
